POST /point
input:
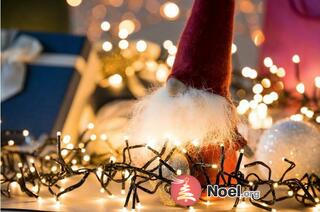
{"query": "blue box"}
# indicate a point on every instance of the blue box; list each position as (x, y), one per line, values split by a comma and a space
(44, 103)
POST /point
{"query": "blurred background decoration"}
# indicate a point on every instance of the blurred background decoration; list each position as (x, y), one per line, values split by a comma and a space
(137, 41)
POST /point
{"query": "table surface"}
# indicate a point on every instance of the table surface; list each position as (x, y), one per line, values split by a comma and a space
(89, 198)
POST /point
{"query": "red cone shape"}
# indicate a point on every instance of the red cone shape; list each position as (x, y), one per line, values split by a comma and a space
(203, 60)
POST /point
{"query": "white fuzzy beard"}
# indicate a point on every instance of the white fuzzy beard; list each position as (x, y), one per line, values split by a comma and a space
(195, 115)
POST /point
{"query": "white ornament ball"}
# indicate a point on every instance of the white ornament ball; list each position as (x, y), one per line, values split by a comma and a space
(297, 141)
(177, 162)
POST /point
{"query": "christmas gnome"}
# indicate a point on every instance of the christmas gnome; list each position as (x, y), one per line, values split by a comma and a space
(194, 110)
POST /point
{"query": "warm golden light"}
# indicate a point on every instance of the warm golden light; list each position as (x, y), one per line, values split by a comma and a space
(167, 44)
(296, 58)
(249, 73)
(300, 88)
(93, 137)
(170, 10)
(123, 44)
(234, 48)
(258, 97)
(243, 106)
(107, 46)
(179, 172)
(258, 37)
(268, 62)
(11, 142)
(25, 133)
(281, 72)
(162, 73)
(296, 117)
(266, 83)
(172, 50)
(273, 69)
(317, 81)
(86, 158)
(257, 88)
(74, 3)
(274, 95)
(170, 60)
(115, 3)
(127, 25)
(103, 137)
(141, 46)
(105, 26)
(268, 99)
(70, 146)
(152, 65)
(123, 33)
(115, 80)
(90, 126)
(66, 139)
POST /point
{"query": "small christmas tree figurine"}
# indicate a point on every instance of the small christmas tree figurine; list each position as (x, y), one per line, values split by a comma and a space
(194, 110)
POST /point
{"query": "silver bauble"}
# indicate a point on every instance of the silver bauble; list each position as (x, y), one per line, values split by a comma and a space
(297, 141)
(177, 162)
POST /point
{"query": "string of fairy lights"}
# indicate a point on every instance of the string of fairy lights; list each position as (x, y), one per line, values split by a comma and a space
(51, 164)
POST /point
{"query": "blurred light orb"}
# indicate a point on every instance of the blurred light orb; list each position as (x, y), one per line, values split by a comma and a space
(105, 26)
(123, 44)
(257, 97)
(268, 99)
(11, 142)
(257, 37)
(74, 3)
(317, 81)
(243, 106)
(151, 65)
(128, 25)
(257, 88)
(167, 44)
(268, 62)
(172, 50)
(115, 80)
(141, 46)
(170, 10)
(296, 58)
(107, 46)
(274, 95)
(123, 33)
(281, 72)
(266, 83)
(162, 73)
(25, 133)
(273, 69)
(234, 48)
(115, 3)
(170, 60)
(249, 73)
(296, 117)
(300, 88)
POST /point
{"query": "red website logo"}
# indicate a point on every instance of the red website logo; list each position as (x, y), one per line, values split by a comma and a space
(185, 190)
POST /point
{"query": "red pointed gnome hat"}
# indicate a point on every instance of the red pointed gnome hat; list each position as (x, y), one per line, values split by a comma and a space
(203, 60)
